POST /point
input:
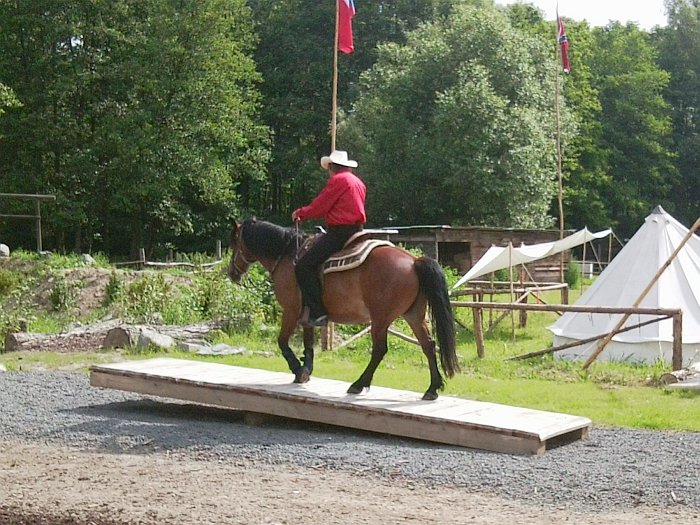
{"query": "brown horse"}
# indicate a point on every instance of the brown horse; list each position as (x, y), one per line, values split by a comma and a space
(391, 283)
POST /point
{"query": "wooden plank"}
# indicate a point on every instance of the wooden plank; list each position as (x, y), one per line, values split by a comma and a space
(449, 420)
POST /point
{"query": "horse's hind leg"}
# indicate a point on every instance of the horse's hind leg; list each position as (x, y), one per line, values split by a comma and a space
(420, 329)
(379, 350)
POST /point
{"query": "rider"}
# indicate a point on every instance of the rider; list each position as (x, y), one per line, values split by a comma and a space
(341, 203)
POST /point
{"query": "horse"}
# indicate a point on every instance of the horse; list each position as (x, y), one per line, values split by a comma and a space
(389, 284)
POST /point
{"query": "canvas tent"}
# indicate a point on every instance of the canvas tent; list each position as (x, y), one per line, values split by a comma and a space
(497, 257)
(621, 284)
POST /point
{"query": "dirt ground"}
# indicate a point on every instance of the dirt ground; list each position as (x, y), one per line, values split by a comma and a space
(47, 485)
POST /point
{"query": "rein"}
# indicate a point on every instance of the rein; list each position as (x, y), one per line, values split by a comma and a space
(239, 253)
(279, 259)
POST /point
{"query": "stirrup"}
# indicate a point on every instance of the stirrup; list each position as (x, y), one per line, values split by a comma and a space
(307, 320)
(321, 320)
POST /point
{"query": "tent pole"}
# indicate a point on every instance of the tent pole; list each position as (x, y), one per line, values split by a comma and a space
(583, 266)
(512, 291)
(623, 320)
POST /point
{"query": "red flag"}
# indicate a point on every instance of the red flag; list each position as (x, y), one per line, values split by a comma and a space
(346, 10)
(564, 44)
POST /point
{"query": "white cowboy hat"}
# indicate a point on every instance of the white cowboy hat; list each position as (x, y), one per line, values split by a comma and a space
(338, 157)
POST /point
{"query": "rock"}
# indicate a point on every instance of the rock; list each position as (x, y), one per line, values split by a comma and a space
(4, 250)
(221, 349)
(193, 348)
(88, 259)
(3, 368)
(120, 337)
(149, 338)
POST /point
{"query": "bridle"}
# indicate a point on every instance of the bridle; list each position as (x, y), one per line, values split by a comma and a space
(239, 247)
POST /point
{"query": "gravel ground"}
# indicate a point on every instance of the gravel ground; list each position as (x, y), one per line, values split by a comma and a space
(611, 471)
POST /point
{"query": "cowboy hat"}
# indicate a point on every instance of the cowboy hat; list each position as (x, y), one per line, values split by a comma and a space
(338, 157)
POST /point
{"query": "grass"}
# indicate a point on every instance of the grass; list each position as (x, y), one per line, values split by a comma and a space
(613, 394)
(558, 388)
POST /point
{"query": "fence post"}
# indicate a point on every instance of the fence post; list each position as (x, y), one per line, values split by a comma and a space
(677, 361)
(39, 246)
(478, 333)
(218, 249)
(142, 258)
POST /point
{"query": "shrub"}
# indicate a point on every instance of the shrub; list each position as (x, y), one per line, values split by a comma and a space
(145, 299)
(114, 288)
(64, 294)
(573, 273)
(8, 282)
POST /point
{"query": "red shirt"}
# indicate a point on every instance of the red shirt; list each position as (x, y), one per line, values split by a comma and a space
(341, 201)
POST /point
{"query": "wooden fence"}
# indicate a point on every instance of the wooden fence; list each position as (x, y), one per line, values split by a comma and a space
(36, 216)
(662, 313)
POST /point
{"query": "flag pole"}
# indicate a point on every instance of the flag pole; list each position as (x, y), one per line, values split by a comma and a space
(558, 124)
(334, 104)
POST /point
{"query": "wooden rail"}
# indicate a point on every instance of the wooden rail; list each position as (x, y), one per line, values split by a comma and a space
(37, 212)
(663, 313)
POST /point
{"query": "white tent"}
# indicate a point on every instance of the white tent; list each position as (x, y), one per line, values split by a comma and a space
(497, 258)
(621, 284)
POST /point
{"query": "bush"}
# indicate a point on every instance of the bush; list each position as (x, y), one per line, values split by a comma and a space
(8, 282)
(64, 294)
(573, 273)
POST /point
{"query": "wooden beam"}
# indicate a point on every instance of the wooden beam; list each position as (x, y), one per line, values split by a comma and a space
(584, 341)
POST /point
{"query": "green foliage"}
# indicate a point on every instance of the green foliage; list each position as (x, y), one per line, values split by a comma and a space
(146, 299)
(114, 288)
(141, 117)
(173, 299)
(454, 127)
(573, 273)
(679, 54)
(636, 125)
(9, 280)
(64, 294)
(294, 57)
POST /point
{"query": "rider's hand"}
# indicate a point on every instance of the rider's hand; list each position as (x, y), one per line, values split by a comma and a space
(295, 215)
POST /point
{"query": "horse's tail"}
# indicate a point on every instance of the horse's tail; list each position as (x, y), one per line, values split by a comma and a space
(434, 287)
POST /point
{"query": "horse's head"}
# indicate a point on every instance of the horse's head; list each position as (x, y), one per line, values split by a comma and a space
(241, 258)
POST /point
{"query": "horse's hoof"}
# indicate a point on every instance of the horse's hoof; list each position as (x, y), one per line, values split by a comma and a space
(355, 389)
(430, 396)
(302, 376)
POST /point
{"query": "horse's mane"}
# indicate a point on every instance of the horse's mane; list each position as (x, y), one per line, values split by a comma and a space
(265, 239)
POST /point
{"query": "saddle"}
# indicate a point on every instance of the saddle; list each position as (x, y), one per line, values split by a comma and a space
(352, 255)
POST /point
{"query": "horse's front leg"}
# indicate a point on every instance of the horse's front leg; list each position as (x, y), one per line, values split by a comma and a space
(308, 359)
(287, 329)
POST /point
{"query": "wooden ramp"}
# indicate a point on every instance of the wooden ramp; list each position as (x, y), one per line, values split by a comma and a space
(449, 420)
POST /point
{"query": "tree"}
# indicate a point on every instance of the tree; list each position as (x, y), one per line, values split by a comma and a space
(141, 115)
(679, 48)
(636, 126)
(295, 57)
(455, 126)
(587, 180)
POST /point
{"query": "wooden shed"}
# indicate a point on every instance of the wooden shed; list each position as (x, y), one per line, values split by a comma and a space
(461, 246)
